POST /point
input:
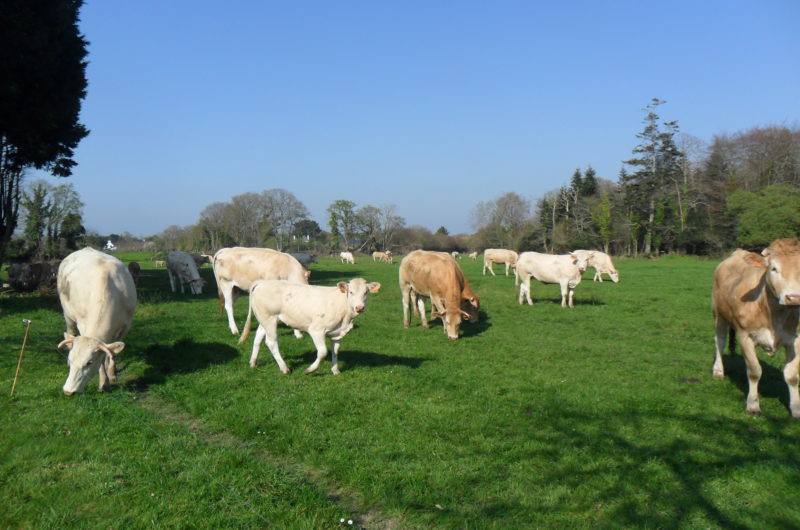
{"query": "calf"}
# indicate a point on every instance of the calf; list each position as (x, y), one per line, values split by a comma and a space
(758, 297)
(565, 270)
(319, 311)
(98, 297)
(181, 269)
(347, 257)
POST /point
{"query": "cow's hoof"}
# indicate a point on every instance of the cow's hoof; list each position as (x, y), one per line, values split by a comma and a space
(336, 371)
(719, 375)
(253, 365)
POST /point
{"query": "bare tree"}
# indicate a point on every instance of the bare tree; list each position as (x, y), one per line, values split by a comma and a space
(281, 211)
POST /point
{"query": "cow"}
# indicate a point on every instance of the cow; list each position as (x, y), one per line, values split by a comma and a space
(564, 269)
(98, 298)
(304, 258)
(437, 276)
(601, 262)
(385, 257)
(135, 269)
(757, 298)
(160, 263)
(498, 255)
(200, 259)
(319, 311)
(32, 275)
(455, 254)
(347, 257)
(181, 269)
(473, 255)
(237, 268)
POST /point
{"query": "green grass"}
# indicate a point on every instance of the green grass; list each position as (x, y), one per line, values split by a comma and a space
(605, 415)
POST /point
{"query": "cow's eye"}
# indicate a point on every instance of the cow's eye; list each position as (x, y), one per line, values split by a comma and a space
(774, 269)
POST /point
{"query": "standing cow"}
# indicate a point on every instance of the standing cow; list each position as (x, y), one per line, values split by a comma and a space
(181, 268)
(437, 276)
(601, 262)
(98, 298)
(238, 268)
(319, 311)
(758, 297)
(565, 270)
(499, 255)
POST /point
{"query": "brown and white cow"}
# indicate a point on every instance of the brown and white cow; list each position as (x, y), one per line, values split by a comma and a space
(319, 311)
(181, 269)
(385, 257)
(499, 255)
(98, 298)
(236, 269)
(347, 257)
(601, 262)
(563, 269)
(437, 276)
(758, 297)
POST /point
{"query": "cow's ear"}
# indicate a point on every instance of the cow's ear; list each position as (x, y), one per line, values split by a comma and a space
(755, 260)
(342, 286)
(374, 287)
(574, 258)
(114, 348)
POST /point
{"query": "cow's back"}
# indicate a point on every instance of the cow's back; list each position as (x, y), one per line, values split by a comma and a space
(97, 292)
(547, 268)
(243, 266)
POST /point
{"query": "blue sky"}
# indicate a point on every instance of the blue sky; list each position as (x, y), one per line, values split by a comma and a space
(429, 105)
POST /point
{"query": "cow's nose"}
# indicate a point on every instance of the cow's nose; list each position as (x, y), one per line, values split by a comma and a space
(792, 299)
(68, 393)
(359, 308)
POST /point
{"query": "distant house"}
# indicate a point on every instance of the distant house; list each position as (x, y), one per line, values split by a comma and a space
(109, 246)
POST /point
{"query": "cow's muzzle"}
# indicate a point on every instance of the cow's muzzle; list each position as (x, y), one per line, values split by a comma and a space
(791, 299)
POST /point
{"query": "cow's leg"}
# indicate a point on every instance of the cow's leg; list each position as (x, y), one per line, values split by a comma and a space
(335, 358)
(791, 377)
(507, 265)
(722, 327)
(260, 334)
(227, 293)
(405, 292)
(564, 288)
(422, 312)
(753, 371)
(413, 296)
(110, 364)
(298, 334)
(525, 284)
(571, 294)
(318, 336)
(491, 269)
(171, 280)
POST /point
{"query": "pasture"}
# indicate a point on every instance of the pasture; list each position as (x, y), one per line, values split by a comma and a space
(605, 415)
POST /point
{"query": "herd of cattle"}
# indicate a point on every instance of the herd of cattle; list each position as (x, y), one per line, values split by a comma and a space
(756, 298)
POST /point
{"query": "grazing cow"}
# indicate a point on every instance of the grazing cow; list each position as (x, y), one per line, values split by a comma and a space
(455, 254)
(160, 263)
(437, 276)
(237, 268)
(565, 270)
(304, 258)
(200, 259)
(181, 269)
(98, 298)
(385, 257)
(347, 257)
(601, 262)
(319, 311)
(499, 255)
(757, 296)
(474, 255)
(135, 269)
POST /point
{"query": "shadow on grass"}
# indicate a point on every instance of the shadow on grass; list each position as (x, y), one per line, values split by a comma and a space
(351, 359)
(20, 303)
(328, 277)
(575, 301)
(771, 386)
(185, 356)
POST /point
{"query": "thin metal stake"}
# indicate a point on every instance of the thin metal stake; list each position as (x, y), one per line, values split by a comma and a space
(19, 363)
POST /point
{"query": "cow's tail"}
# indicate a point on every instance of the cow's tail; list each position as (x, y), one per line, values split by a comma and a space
(246, 329)
(732, 340)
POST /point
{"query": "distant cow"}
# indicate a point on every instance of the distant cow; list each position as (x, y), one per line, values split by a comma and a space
(437, 276)
(455, 254)
(238, 268)
(347, 257)
(385, 257)
(181, 269)
(200, 259)
(758, 297)
(601, 262)
(135, 269)
(160, 263)
(304, 258)
(319, 311)
(564, 269)
(473, 255)
(498, 255)
(98, 298)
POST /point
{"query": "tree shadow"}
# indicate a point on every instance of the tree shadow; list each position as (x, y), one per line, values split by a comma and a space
(182, 357)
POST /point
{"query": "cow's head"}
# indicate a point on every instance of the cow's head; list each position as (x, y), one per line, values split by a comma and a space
(614, 275)
(469, 308)
(357, 290)
(581, 260)
(87, 356)
(782, 261)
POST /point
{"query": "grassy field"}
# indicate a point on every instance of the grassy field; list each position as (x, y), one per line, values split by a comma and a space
(605, 415)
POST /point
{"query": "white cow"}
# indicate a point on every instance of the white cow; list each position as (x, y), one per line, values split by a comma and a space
(181, 269)
(565, 270)
(238, 268)
(499, 255)
(601, 262)
(474, 255)
(319, 311)
(455, 254)
(98, 298)
(347, 257)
